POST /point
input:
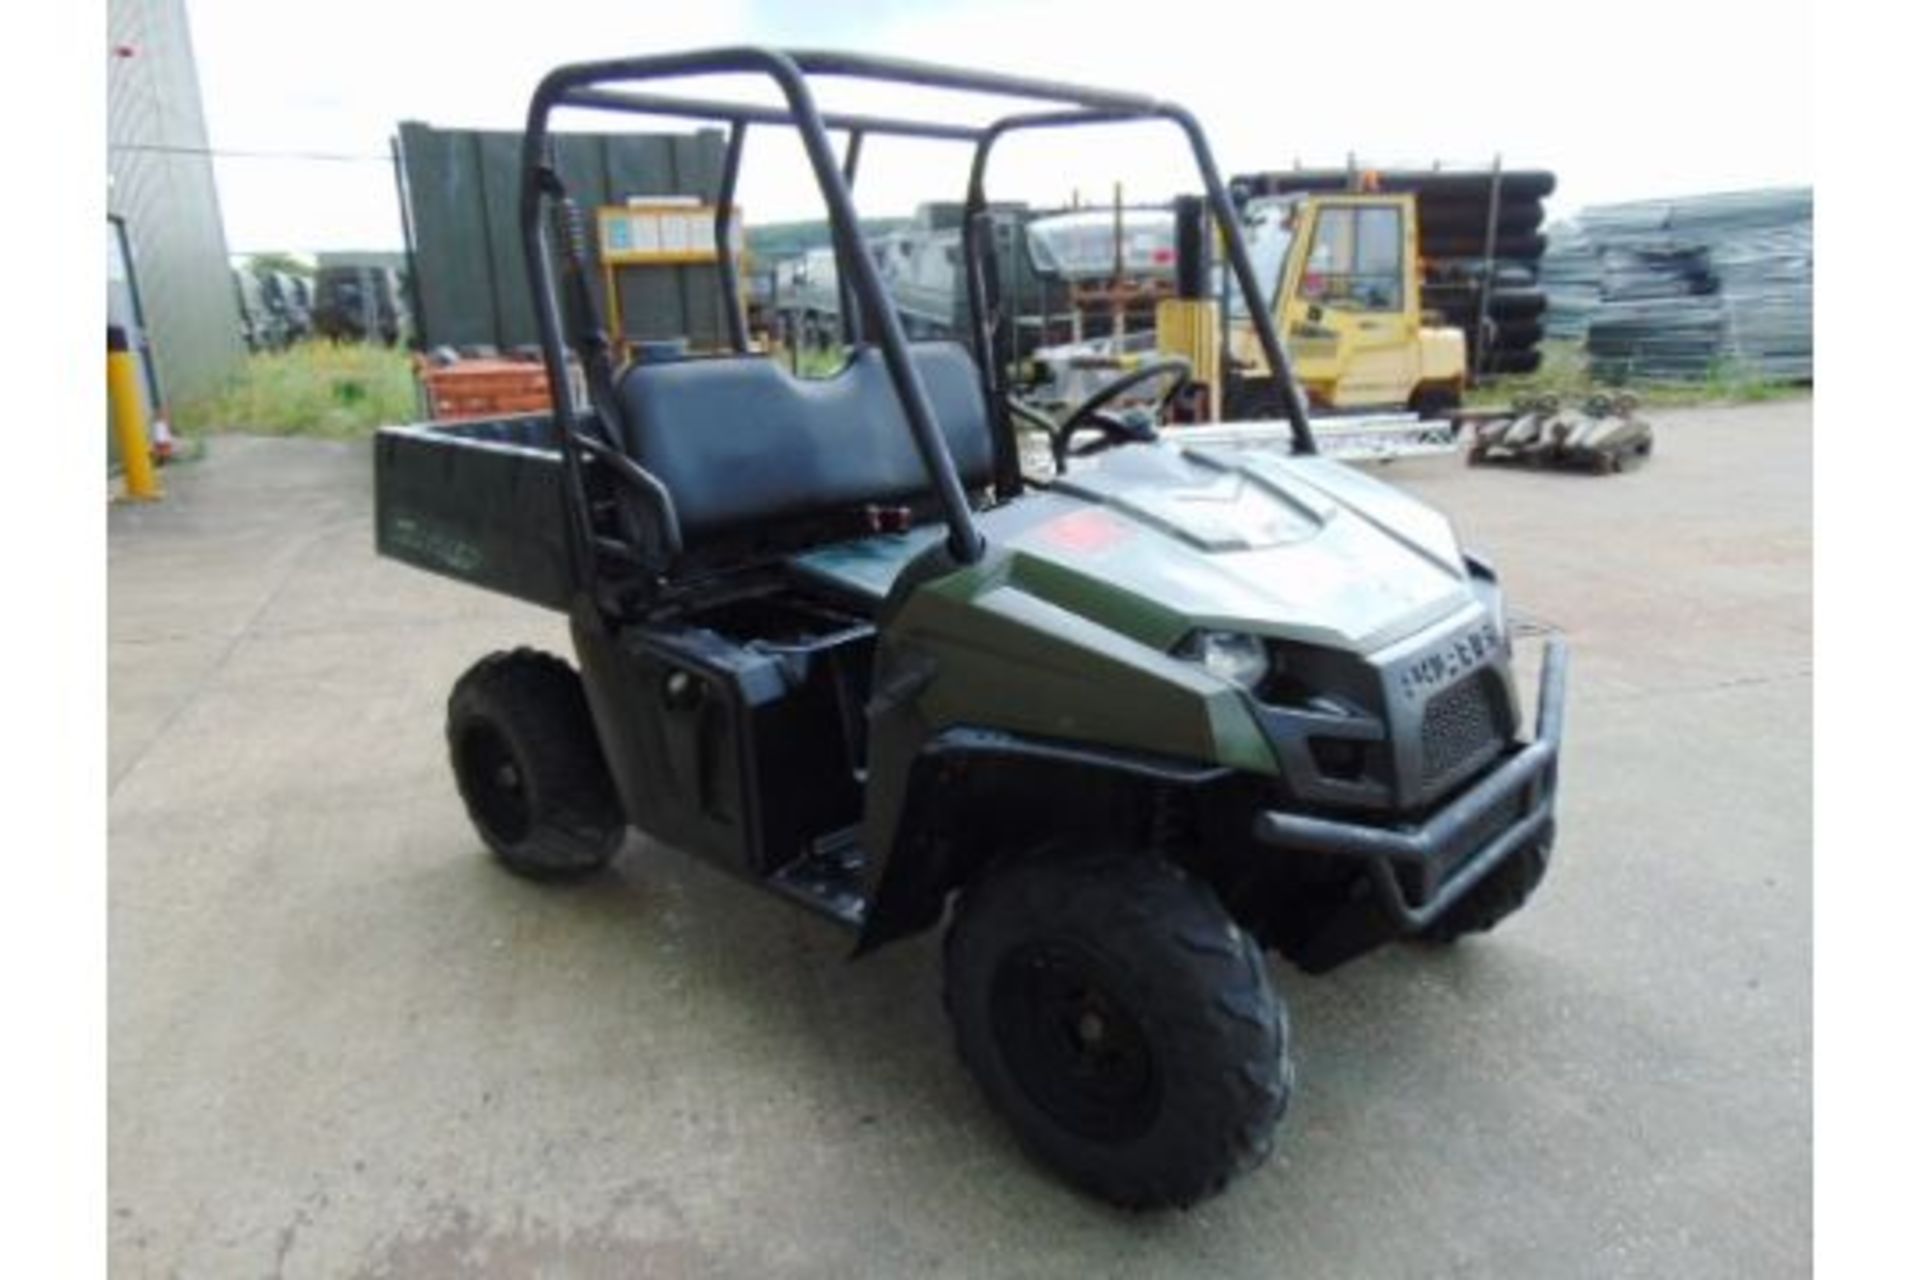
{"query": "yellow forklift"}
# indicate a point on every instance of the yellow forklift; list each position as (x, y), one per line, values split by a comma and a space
(1345, 272)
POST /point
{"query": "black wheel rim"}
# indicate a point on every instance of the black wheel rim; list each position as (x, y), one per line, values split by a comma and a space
(1073, 1046)
(494, 783)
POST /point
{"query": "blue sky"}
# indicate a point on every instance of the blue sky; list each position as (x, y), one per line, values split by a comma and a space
(1623, 98)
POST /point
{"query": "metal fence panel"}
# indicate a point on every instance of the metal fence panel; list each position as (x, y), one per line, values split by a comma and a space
(696, 170)
(461, 188)
(452, 274)
(652, 303)
(583, 167)
(499, 155)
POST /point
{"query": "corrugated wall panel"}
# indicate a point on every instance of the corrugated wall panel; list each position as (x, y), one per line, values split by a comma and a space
(168, 197)
(583, 167)
(462, 192)
(696, 170)
(506, 263)
(447, 207)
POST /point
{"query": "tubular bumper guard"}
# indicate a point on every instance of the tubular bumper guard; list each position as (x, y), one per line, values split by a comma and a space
(1439, 857)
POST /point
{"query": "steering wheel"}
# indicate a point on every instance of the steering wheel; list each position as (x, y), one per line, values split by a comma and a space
(1092, 412)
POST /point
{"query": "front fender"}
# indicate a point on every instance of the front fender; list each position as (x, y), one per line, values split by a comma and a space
(971, 794)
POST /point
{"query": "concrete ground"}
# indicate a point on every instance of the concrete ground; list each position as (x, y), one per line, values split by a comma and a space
(344, 1044)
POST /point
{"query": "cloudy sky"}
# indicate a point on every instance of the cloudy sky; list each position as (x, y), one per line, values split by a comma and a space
(1622, 98)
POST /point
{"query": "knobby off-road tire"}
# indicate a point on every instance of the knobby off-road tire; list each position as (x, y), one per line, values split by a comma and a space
(1434, 400)
(529, 767)
(1501, 894)
(1121, 1022)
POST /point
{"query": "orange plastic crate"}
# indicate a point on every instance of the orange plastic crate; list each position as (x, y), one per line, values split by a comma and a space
(486, 389)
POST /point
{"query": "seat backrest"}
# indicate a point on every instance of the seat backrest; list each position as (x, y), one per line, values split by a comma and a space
(739, 442)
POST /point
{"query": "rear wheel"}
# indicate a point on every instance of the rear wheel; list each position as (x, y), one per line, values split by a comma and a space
(529, 767)
(1121, 1022)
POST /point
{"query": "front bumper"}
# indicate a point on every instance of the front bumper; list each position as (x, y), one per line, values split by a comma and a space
(1420, 872)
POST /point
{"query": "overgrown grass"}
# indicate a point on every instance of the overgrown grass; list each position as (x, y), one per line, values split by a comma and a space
(344, 392)
(314, 389)
(820, 362)
(1563, 372)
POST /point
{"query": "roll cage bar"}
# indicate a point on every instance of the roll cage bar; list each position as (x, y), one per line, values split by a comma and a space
(582, 85)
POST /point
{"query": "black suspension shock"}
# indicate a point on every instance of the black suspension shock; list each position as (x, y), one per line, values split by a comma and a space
(583, 318)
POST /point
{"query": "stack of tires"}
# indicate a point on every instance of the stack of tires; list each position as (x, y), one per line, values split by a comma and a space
(1454, 208)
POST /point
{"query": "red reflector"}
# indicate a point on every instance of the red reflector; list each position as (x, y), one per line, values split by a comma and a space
(889, 519)
(1089, 529)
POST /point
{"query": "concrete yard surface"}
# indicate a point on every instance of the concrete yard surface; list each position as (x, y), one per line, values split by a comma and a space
(344, 1043)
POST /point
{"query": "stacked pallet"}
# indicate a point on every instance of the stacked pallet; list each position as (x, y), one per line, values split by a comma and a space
(1690, 288)
(1455, 208)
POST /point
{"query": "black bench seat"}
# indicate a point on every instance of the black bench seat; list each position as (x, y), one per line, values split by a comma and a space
(741, 444)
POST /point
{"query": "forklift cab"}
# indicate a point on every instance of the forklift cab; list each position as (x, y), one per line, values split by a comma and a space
(1340, 272)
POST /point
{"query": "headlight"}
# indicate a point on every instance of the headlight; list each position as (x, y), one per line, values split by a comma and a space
(1486, 585)
(1231, 655)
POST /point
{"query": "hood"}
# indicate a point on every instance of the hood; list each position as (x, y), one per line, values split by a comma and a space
(1158, 539)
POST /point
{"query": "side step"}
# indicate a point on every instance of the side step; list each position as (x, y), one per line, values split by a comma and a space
(828, 877)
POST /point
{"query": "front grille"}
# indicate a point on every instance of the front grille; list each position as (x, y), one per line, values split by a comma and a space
(1459, 727)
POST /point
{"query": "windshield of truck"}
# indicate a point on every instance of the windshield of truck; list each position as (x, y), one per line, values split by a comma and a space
(1267, 225)
(1355, 263)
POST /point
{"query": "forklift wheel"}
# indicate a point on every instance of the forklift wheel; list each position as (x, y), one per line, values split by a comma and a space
(529, 768)
(1435, 400)
(1121, 1022)
(1492, 900)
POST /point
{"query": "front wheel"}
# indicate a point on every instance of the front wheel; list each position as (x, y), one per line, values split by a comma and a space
(1111, 1010)
(1435, 400)
(529, 766)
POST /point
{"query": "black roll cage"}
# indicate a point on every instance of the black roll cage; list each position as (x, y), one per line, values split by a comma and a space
(581, 85)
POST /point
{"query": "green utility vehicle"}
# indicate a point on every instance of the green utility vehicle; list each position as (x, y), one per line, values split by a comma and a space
(1124, 729)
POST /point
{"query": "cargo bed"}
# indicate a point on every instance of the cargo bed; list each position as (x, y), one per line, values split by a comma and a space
(480, 501)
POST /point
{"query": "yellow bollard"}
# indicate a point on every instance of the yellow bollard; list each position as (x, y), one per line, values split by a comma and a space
(129, 412)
